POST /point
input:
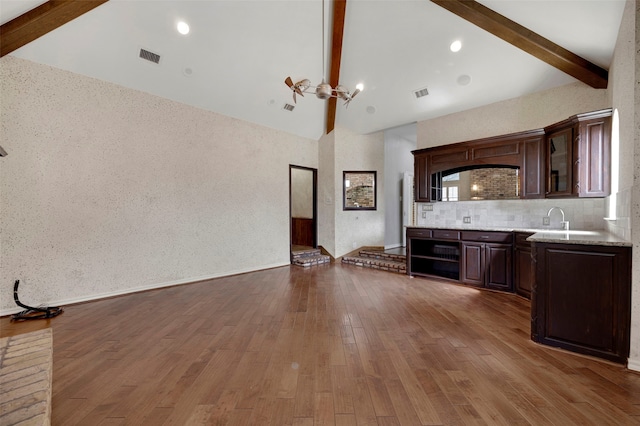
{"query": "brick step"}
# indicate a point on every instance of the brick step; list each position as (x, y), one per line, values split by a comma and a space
(307, 261)
(301, 254)
(373, 254)
(382, 264)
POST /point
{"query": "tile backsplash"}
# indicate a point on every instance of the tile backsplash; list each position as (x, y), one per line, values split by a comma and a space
(584, 214)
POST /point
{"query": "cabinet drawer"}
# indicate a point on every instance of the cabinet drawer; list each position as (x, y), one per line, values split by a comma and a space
(445, 234)
(521, 239)
(418, 233)
(488, 237)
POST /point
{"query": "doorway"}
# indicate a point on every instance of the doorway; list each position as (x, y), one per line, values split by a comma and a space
(303, 207)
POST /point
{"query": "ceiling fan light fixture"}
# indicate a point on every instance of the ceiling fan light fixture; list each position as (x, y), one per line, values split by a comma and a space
(455, 46)
(183, 28)
(324, 90)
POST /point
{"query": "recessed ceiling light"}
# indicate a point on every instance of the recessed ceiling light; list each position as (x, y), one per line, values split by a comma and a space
(371, 109)
(188, 71)
(456, 46)
(464, 80)
(183, 28)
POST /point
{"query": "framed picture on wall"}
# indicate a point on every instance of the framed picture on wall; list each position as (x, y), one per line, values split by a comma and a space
(359, 190)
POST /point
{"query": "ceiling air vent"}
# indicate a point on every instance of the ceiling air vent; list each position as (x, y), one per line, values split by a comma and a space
(288, 107)
(420, 93)
(150, 56)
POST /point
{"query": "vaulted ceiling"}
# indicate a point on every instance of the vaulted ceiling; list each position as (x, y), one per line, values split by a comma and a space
(238, 53)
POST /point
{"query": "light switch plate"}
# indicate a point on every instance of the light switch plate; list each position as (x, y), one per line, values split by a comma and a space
(427, 207)
(546, 221)
(466, 219)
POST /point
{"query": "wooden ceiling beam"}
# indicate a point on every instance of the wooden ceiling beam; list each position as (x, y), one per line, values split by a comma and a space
(337, 33)
(41, 20)
(528, 41)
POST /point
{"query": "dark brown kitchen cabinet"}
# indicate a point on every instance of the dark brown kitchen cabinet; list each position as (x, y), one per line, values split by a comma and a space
(487, 259)
(533, 166)
(523, 151)
(594, 157)
(487, 265)
(579, 156)
(473, 264)
(421, 179)
(498, 266)
(581, 298)
(523, 273)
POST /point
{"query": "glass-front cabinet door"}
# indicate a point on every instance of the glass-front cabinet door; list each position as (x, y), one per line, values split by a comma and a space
(560, 164)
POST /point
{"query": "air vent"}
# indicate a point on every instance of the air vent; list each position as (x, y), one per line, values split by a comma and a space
(421, 93)
(288, 107)
(150, 56)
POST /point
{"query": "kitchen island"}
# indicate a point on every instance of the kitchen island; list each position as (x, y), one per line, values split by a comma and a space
(581, 292)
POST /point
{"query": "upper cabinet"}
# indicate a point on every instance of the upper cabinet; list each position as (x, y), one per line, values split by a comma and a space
(579, 156)
(567, 159)
(503, 167)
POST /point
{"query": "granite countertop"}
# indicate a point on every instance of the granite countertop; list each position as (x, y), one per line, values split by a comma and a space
(595, 237)
(599, 238)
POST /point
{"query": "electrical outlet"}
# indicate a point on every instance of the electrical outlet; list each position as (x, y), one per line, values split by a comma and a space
(546, 221)
(424, 215)
(466, 219)
(355, 245)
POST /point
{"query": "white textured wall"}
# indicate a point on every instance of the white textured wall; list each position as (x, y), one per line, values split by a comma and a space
(514, 115)
(358, 227)
(397, 160)
(326, 193)
(106, 190)
(624, 96)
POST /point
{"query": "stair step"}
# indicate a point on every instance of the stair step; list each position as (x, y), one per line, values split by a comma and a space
(382, 264)
(301, 254)
(307, 261)
(373, 254)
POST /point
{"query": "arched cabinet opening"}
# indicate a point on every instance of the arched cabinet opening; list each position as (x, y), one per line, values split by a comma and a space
(485, 182)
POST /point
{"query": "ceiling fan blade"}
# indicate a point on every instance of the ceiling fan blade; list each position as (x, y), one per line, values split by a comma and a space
(294, 97)
(355, 93)
(289, 82)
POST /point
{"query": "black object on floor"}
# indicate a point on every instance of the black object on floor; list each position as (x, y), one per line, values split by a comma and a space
(30, 312)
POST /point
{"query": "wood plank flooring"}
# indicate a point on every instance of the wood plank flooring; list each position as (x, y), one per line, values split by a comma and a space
(329, 345)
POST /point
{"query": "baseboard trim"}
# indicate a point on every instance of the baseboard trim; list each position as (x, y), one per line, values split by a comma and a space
(392, 246)
(633, 364)
(94, 297)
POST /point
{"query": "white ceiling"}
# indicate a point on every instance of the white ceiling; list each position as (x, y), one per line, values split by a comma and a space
(239, 53)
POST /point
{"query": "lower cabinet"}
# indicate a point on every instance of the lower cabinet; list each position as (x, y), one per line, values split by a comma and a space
(581, 298)
(473, 264)
(475, 258)
(487, 265)
(523, 273)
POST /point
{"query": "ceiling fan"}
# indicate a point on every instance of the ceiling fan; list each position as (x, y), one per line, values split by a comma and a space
(322, 90)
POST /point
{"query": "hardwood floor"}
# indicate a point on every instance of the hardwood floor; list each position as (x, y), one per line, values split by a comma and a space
(329, 345)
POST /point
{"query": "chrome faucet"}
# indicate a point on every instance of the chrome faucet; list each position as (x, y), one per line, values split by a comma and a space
(565, 223)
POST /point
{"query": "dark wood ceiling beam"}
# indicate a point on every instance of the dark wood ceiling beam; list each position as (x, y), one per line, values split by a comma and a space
(339, 9)
(40, 20)
(529, 41)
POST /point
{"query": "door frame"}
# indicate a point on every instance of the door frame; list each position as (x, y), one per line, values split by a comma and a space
(315, 204)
